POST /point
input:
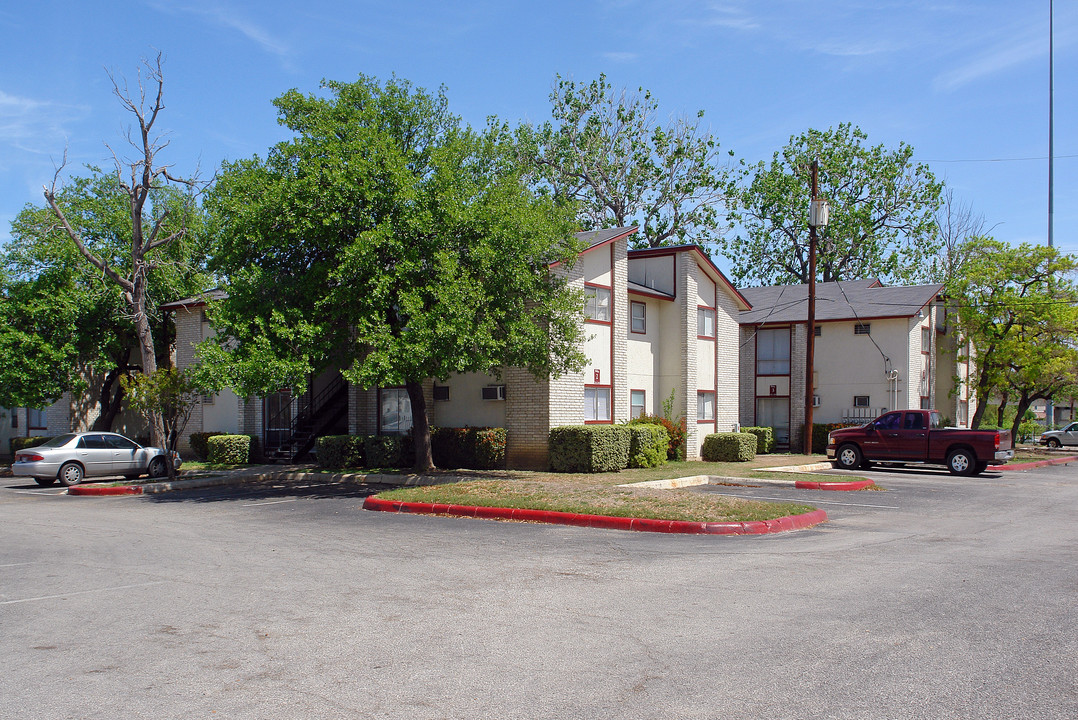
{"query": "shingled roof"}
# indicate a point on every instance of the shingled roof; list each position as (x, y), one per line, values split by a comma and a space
(845, 300)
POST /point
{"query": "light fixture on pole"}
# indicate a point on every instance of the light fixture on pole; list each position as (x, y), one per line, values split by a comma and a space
(818, 217)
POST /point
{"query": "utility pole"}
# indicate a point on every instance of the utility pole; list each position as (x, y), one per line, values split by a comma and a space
(817, 217)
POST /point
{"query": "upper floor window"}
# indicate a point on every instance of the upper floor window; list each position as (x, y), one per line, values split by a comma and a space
(639, 313)
(705, 322)
(597, 303)
(773, 352)
(926, 339)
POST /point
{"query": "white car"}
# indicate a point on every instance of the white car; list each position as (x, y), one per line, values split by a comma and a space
(72, 457)
(1059, 438)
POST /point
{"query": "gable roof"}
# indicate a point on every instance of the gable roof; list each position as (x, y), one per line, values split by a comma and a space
(196, 301)
(844, 300)
(702, 259)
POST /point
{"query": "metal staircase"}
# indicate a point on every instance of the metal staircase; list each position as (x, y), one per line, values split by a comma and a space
(307, 418)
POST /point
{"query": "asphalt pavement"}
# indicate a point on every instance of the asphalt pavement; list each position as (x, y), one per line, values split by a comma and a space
(939, 597)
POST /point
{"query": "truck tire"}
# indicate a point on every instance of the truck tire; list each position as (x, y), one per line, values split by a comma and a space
(961, 462)
(848, 457)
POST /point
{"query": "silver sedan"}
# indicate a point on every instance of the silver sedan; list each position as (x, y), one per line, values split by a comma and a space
(72, 457)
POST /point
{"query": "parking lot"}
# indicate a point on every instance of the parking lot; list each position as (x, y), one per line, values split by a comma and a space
(938, 597)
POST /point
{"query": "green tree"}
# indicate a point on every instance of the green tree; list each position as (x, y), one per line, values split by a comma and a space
(168, 394)
(151, 226)
(388, 239)
(1018, 305)
(881, 212)
(62, 316)
(607, 152)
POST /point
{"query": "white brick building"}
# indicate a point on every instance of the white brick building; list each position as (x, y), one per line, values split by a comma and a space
(659, 322)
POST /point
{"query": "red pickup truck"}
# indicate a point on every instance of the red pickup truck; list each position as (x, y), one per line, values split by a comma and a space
(915, 436)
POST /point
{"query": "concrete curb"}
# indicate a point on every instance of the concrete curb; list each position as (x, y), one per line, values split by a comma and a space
(105, 490)
(722, 480)
(1037, 463)
(757, 527)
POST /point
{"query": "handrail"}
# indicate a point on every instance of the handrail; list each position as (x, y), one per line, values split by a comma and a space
(300, 409)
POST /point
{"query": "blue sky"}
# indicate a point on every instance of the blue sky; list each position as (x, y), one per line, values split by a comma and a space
(964, 83)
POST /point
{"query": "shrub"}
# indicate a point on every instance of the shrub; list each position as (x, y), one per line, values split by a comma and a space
(675, 432)
(338, 451)
(648, 445)
(198, 444)
(467, 447)
(765, 438)
(729, 447)
(229, 449)
(20, 443)
(388, 451)
(589, 448)
(819, 435)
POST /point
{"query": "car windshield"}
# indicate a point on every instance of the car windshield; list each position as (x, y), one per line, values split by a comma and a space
(58, 441)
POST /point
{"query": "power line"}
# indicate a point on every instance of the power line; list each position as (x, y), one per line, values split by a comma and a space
(997, 160)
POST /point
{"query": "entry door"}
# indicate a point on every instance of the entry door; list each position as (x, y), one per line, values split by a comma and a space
(277, 419)
(775, 414)
(95, 453)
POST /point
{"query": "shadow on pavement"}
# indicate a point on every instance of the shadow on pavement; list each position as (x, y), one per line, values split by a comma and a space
(271, 489)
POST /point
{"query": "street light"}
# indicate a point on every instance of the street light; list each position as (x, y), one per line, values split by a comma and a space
(818, 216)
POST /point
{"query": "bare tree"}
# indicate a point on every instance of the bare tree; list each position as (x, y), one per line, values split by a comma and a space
(955, 222)
(152, 225)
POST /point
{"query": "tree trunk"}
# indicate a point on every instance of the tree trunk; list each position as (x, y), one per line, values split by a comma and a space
(420, 427)
(1001, 410)
(1024, 401)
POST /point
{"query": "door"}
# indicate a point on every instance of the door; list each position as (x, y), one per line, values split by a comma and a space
(277, 419)
(884, 438)
(126, 457)
(775, 414)
(1070, 434)
(95, 453)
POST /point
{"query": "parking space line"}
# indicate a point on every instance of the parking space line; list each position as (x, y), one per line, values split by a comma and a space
(271, 502)
(81, 592)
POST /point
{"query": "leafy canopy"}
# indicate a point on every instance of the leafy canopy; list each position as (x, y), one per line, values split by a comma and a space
(607, 151)
(881, 212)
(386, 238)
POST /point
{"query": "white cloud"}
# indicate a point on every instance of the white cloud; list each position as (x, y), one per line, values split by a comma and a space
(620, 57)
(997, 59)
(729, 15)
(228, 18)
(35, 126)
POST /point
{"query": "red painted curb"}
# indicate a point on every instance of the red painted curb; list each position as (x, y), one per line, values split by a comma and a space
(755, 527)
(110, 490)
(1035, 464)
(814, 485)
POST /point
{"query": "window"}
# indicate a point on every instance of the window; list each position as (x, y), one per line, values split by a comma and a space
(636, 403)
(914, 421)
(596, 404)
(817, 331)
(120, 443)
(35, 419)
(638, 311)
(597, 303)
(441, 393)
(207, 399)
(395, 412)
(705, 406)
(775, 414)
(926, 339)
(773, 352)
(860, 400)
(862, 329)
(705, 322)
(926, 403)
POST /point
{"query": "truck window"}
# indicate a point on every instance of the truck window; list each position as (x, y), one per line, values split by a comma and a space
(890, 421)
(934, 420)
(914, 421)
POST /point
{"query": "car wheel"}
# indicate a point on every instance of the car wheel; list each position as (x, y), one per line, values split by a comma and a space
(45, 482)
(1054, 443)
(71, 473)
(157, 468)
(961, 462)
(849, 457)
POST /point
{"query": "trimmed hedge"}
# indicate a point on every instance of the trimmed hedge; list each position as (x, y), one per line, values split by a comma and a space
(819, 435)
(468, 447)
(198, 444)
(20, 443)
(229, 449)
(648, 445)
(765, 438)
(589, 448)
(384, 451)
(729, 447)
(674, 430)
(340, 451)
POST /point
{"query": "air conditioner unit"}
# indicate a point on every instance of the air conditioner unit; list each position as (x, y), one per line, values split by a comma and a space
(494, 392)
(815, 401)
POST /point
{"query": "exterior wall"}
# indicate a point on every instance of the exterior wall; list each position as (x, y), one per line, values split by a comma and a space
(466, 406)
(223, 411)
(727, 362)
(643, 353)
(685, 395)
